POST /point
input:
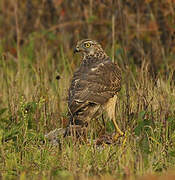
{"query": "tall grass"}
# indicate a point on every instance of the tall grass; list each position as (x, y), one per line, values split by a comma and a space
(33, 102)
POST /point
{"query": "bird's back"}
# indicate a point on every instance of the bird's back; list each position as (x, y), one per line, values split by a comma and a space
(93, 84)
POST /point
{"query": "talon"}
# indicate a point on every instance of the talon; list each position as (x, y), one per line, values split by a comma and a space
(116, 136)
(124, 141)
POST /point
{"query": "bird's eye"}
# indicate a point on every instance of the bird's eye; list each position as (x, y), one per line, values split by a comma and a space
(87, 45)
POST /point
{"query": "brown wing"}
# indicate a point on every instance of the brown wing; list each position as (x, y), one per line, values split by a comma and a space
(94, 84)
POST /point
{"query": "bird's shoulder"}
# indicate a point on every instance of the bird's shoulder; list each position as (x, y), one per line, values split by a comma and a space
(99, 76)
(97, 67)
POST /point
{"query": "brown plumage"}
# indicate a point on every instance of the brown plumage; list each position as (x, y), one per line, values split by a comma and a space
(94, 85)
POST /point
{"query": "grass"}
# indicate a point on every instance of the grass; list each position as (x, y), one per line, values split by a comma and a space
(33, 102)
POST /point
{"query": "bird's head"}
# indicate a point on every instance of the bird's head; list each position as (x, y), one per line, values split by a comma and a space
(88, 47)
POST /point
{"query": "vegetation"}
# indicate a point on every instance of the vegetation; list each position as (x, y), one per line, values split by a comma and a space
(36, 43)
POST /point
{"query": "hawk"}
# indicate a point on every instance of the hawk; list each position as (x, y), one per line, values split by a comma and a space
(94, 85)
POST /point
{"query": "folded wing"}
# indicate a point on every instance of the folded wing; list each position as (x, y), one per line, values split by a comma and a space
(93, 84)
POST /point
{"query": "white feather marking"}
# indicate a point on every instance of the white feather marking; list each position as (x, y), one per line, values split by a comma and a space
(76, 81)
(94, 69)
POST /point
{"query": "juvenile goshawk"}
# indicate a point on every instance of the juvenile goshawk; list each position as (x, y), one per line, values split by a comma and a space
(94, 86)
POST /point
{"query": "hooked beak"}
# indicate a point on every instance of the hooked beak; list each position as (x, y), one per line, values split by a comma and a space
(76, 50)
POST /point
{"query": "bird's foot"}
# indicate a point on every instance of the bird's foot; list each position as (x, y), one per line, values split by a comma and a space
(117, 136)
(122, 136)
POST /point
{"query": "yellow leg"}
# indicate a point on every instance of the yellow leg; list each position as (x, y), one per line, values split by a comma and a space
(117, 128)
(119, 133)
(110, 109)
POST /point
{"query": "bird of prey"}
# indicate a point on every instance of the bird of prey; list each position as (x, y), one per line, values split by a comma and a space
(94, 85)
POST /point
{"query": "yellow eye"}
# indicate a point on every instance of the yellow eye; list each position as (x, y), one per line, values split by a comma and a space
(87, 45)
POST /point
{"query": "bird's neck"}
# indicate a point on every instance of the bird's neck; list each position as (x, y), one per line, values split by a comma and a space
(94, 57)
